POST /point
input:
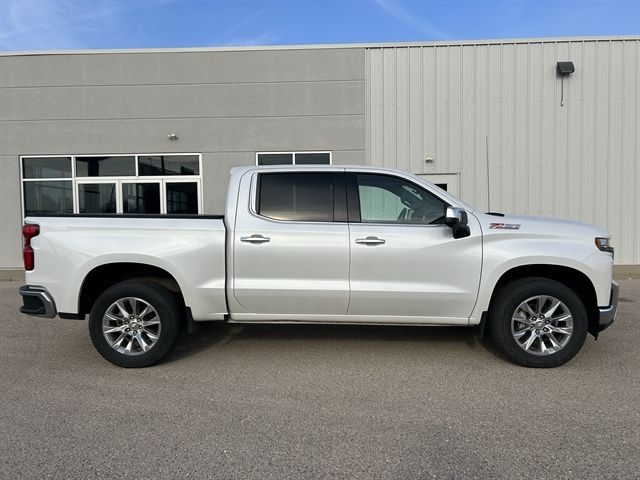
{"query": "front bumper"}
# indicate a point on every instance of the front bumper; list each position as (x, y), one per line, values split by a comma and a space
(37, 301)
(608, 314)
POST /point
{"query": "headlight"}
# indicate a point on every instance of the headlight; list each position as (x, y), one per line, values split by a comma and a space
(604, 244)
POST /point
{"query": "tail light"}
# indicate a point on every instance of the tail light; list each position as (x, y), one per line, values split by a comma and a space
(29, 231)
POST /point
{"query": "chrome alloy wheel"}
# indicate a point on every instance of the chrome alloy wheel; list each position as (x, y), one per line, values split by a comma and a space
(131, 326)
(542, 325)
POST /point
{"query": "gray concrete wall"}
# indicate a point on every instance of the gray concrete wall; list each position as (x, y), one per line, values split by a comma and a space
(225, 105)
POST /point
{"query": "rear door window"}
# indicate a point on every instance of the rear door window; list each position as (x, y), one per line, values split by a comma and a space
(301, 197)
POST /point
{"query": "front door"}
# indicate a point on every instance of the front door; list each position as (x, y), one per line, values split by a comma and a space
(291, 249)
(405, 264)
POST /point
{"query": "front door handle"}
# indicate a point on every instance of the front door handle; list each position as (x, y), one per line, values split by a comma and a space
(255, 238)
(371, 241)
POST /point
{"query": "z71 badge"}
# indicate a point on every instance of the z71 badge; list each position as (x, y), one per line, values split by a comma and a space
(505, 226)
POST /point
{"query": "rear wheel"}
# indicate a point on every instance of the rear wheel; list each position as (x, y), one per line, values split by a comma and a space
(135, 323)
(538, 322)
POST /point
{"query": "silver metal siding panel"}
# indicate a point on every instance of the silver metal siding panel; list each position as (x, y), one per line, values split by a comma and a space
(578, 161)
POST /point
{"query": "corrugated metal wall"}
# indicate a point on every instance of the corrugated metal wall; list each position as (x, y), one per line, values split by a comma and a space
(578, 161)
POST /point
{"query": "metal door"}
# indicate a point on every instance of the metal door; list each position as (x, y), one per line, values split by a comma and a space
(291, 264)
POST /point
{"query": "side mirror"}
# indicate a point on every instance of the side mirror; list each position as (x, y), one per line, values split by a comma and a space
(454, 216)
(456, 219)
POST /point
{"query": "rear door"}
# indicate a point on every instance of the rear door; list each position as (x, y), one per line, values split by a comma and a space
(291, 246)
(405, 264)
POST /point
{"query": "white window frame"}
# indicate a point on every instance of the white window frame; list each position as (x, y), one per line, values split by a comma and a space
(296, 153)
(119, 179)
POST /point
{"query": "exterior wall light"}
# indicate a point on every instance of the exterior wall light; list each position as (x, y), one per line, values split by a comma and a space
(173, 137)
(564, 69)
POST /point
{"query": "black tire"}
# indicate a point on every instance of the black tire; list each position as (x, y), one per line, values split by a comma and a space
(511, 297)
(169, 314)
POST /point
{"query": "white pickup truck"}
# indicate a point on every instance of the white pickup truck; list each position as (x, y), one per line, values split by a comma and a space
(325, 244)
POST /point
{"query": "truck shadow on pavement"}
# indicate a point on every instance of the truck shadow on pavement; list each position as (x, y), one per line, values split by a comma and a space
(212, 335)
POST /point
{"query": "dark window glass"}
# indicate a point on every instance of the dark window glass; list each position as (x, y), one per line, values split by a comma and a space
(313, 158)
(388, 199)
(105, 166)
(182, 197)
(97, 197)
(48, 197)
(275, 159)
(297, 196)
(141, 198)
(168, 165)
(52, 167)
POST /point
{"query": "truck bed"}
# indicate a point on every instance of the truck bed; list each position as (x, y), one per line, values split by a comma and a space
(191, 248)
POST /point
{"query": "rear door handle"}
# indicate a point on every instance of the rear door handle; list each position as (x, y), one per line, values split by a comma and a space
(371, 241)
(255, 238)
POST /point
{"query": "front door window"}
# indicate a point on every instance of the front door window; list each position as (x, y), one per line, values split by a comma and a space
(392, 200)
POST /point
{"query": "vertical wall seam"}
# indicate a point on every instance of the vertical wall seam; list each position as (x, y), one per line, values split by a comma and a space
(513, 175)
(422, 110)
(581, 154)
(554, 139)
(636, 160)
(527, 166)
(608, 150)
(367, 108)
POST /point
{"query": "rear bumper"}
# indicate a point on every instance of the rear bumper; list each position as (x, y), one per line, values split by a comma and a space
(37, 301)
(608, 314)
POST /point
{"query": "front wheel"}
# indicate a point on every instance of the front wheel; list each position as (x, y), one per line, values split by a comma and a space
(135, 323)
(538, 322)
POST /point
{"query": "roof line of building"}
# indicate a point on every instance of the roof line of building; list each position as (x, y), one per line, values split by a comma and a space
(442, 43)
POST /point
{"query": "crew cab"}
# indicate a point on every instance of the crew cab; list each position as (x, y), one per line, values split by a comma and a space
(323, 244)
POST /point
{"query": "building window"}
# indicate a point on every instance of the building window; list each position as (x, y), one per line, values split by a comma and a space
(113, 166)
(47, 185)
(150, 183)
(151, 165)
(293, 158)
(182, 197)
(141, 197)
(97, 198)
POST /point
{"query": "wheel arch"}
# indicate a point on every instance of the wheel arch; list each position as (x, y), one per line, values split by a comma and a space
(572, 278)
(107, 275)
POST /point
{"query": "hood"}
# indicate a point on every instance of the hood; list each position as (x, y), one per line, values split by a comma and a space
(520, 224)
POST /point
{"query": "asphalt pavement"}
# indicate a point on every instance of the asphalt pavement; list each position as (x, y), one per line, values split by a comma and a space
(295, 401)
